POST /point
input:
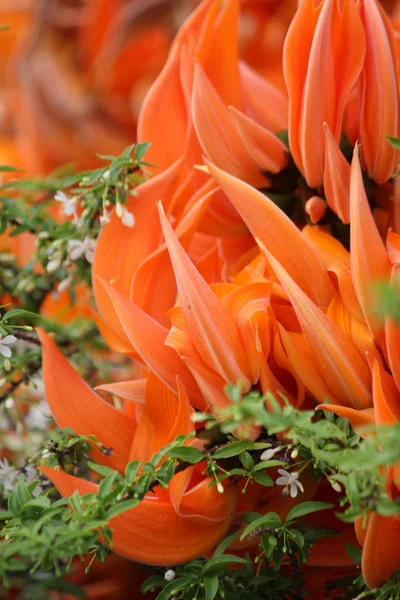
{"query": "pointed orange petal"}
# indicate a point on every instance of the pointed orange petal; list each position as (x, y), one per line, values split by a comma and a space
(336, 178)
(380, 557)
(148, 337)
(336, 359)
(379, 93)
(315, 207)
(120, 249)
(128, 390)
(211, 328)
(358, 418)
(369, 259)
(279, 234)
(74, 404)
(386, 396)
(163, 117)
(267, 150)
(217, 133)
(152, 532)
(265, 104)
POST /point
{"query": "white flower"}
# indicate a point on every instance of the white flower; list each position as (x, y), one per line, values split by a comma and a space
(169, 575)
(105, 218)
(106, 174)
(270, 453)
(290, 481)
(77, 248)
(69, 204)
(5, 343)
(54, 263)
(127, 218)
(30, 474)
(8, 475)
(64, 284)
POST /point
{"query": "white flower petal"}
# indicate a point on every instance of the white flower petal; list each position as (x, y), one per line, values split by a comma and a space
(284, 473)
(269, 453)
(299, 485)
(9, 339)
(128, 220)
(5, 351)
(76, 253)
(293, 490)
(282, 481)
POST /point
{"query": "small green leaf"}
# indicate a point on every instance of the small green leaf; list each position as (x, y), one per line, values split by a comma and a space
(270, 520)
(223, 560)
(141, 149)
(131, 470)
(224, 544)
(232, 449)
(246, 460)
(394, 141)
(354, 553)
(120, 508)
(263, 479)
(210, 586)
(187, 453)
(306, 508)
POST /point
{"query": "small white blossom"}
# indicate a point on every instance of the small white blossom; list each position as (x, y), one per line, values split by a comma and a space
(5, 344)
(127, 218)
(64, 284)
(54, 263)
(8, 475)
(106, 174)
(269, 453)
(69, 204)
(290, 481)
(77, 248)
(169, 575)
(105, 218)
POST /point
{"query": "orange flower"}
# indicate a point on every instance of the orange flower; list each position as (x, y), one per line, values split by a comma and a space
(170, 528)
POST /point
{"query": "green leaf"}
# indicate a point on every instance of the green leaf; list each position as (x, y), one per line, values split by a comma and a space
(395, 142)
(297, 536)
(173, 586)
(246, 460)
(211, 583)
(354, 553)
(141, 149)
(224, 560)
(106, 485)
(187, 453)
(263, 479)
(120, 508)
(306, 508)
(7, 168)
(101, 469)
(19, 312)
(232, 449)
(131, 470)
(220, 549)
(271, 520)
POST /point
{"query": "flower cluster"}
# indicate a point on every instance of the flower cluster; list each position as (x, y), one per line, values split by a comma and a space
(248, 256)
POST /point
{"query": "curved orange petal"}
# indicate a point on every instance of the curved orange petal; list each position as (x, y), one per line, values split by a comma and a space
(211, 328)
(265, 148)
(336, 178)
(358, 418)
(217, 132)
(74, 404)
(148, 337)
(369, 259)
(152, 532)
(380, 558)
(338, 362)
(128, 390)
(279, 234)
(386, 396)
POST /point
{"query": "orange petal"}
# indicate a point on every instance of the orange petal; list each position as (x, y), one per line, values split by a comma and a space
(265, 104)
(336, 178)
(211, 328)
(217, 133)
(363, 419)
(379, 93)
(386, 396)
(120, 249)
(267, 150)
(148, 337)
(152, 532)
(338, 362)
(74, 404)
(369, 260)
(315, 207)
(380, 558)
(279, 234)
(128, 390)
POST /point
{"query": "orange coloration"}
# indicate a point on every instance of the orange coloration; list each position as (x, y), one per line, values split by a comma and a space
(157, 531)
